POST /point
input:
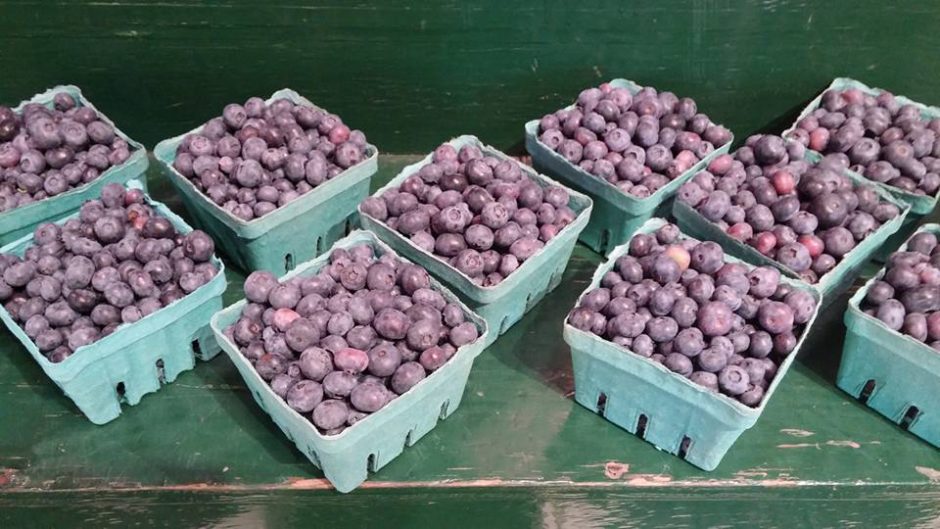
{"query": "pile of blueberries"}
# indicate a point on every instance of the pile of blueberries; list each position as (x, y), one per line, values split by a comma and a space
(805, 216)
(116, 263)
(45, 152)
(675, 300)
(342, 343)
(636, 142)
(257, 157)
(480, 213)
(907, 297)
(878, 137)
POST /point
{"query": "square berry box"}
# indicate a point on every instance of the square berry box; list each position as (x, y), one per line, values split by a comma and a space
(348, 457)
(921, 203)
(648, 397)
(290, 234)
(891, 373)
(21, 221)
(617, 214)
(843, 271)
(139, 357)
(504, 303)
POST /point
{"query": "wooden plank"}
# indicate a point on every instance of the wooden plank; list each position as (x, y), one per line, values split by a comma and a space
(821, 507)
(411, 75)
(517, 428)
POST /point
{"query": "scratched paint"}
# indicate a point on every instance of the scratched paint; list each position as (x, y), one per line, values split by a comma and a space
(796, 432)
(832, 442)
(931, 473)
(615, 470)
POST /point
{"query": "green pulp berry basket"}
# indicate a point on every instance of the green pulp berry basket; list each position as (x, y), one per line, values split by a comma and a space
(616, 215)
(346, 459)
(647, 399)
(17, 223)
(830, 285)
(293, 233)
(921, 205)
(504, 304)
(890, 372)
(138, 357)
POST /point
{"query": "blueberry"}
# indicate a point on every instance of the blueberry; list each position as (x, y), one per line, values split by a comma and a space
(661, 302)
(802, 305)
(776, 317)
(643, 345)
(689, 342)
(270, 365)
(684, 312)
(198, 246)
(330, 414)
(715, 318)
(316, 363)
(19, 274)
(412, 278)
(406, 376)
(733, 380)
(453, 315)
(707, 257)
(899, 276)
(794, 256)
(339, 384)
(923, 242)
(784, 343)
(879, 292)
(763, 281)
(463, 334)
(384, 359)
(582, 318)
(761, 344)
(423, 334)
(304, 396)
(369, 397)
(258, 286)
(679, 363)
(924, 298)
(662, 329)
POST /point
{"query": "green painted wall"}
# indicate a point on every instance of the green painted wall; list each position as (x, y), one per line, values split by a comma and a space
(414, 73)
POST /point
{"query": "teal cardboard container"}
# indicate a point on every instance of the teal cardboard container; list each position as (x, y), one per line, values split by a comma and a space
(647, 399)
(830, 285)
(890, 372)
(921, 205)
(616, 215)
(293, 233)
(123, 367)
(504, 304)
(346, 459)
(22, 221)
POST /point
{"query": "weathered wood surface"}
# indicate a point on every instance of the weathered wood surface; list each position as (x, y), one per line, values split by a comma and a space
(517, 453)
(412, 73)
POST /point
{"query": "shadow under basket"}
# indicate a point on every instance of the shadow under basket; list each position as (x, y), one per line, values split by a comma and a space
(890, 372)
(20, 222)
(139, 357)
(504, 304)
(648, 400)
(617, 215)
(346, 459)
(291, 234)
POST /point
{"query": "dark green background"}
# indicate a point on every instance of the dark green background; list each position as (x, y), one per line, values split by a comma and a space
(411, 74)
(519, 452)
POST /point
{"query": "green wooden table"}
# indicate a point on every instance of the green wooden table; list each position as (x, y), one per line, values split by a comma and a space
(518, 452)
